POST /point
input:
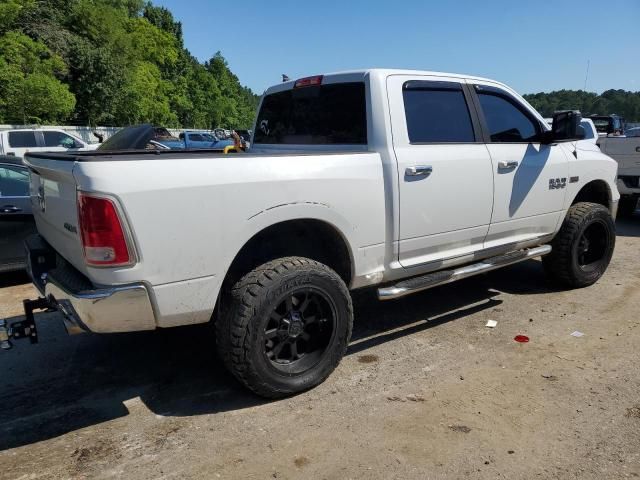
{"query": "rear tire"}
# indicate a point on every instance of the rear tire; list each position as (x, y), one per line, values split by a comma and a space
(582, 249)
(285, 326)
(627, 206)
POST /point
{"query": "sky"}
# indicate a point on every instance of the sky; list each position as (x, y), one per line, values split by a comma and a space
(533, 46)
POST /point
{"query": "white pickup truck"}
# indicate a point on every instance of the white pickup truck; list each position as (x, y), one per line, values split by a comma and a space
(626, 151)
(402, 180)
(18, 142)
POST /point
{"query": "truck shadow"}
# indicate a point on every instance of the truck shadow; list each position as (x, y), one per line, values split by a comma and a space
(67, 383)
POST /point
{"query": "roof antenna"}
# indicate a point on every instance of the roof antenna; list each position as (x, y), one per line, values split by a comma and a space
(587, 75)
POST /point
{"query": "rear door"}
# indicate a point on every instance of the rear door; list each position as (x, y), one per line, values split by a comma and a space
(444, 170)
(530, 178)
(20, 142)
(16, 221)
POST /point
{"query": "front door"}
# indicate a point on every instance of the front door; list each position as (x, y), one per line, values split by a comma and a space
(444, 170)
(530, 178)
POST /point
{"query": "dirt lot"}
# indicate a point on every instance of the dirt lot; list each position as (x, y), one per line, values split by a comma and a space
(426, 391)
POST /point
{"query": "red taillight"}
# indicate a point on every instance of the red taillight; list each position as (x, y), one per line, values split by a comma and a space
(103, 237)
(308, 81)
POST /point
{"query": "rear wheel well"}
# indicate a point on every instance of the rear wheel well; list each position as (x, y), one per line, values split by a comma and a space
(596, 191)
(308, 238)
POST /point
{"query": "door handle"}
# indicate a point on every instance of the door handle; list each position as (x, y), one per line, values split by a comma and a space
(637, 149)
(10, 209)
(418, 171)
(507, 165)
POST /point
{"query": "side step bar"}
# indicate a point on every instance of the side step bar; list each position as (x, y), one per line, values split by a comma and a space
(417, 284)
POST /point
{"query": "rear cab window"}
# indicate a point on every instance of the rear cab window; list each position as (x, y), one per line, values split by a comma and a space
(22, 139)
(325, 114)
(437, 112)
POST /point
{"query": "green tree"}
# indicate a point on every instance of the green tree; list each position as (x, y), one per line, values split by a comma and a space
(122, 61)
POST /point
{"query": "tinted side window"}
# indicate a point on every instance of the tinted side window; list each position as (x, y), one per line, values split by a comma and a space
(439, 116)
(14, 182)
(22, 139)
(319, 115)
(506, 122)
(58, 139)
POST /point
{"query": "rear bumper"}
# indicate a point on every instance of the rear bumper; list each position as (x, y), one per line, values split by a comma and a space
(110, 309)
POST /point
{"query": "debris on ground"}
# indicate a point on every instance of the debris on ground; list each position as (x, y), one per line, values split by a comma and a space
(412, 397)
(460, 428)
(633, 412)
(521, 338)
(368, 358)
(553, 378)
(415, 398)
(577, 334)
(491, 323)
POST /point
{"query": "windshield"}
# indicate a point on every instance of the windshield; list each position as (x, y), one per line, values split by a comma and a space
(318, 115)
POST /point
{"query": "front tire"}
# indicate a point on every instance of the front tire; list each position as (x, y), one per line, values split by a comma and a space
(285, 326)
(582, 249)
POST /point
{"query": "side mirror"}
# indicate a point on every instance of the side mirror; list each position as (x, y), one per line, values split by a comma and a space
(565, 128)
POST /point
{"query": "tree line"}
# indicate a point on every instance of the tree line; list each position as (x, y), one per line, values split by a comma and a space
(621, 102)
(110, 62)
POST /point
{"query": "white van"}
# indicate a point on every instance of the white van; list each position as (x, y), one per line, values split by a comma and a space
(20, 141)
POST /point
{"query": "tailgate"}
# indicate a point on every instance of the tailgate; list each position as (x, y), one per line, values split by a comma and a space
(53, 200)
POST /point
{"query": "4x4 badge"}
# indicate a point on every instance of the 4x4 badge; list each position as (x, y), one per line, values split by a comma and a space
(557, 183)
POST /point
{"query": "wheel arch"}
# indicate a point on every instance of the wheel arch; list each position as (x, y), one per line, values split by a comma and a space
(595, 191)
(311, 237)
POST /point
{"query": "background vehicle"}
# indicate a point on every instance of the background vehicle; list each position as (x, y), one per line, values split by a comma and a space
(401, 180)
(18, 142)
(200, 139)
(16, 220)
(608, 124)
(632, 132)
(624, 147)
(626, 151)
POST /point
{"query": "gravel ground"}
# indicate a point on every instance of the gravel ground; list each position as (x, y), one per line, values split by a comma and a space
(426, 391)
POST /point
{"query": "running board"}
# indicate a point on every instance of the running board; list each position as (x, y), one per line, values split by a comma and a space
(418, 284)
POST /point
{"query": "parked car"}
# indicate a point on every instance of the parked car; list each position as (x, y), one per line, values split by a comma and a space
(391, 179)
(18, 142)
(16, 220)
(200, 139)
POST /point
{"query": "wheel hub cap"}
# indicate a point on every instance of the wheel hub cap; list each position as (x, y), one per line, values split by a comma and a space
(296, 324)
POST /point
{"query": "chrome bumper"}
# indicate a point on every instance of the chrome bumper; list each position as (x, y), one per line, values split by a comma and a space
(85, 307)
(125, 308)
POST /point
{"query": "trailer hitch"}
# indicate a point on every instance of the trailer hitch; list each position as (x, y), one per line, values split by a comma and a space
(22, 329)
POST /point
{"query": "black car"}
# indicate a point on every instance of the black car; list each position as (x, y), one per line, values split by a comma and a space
(16, 220)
